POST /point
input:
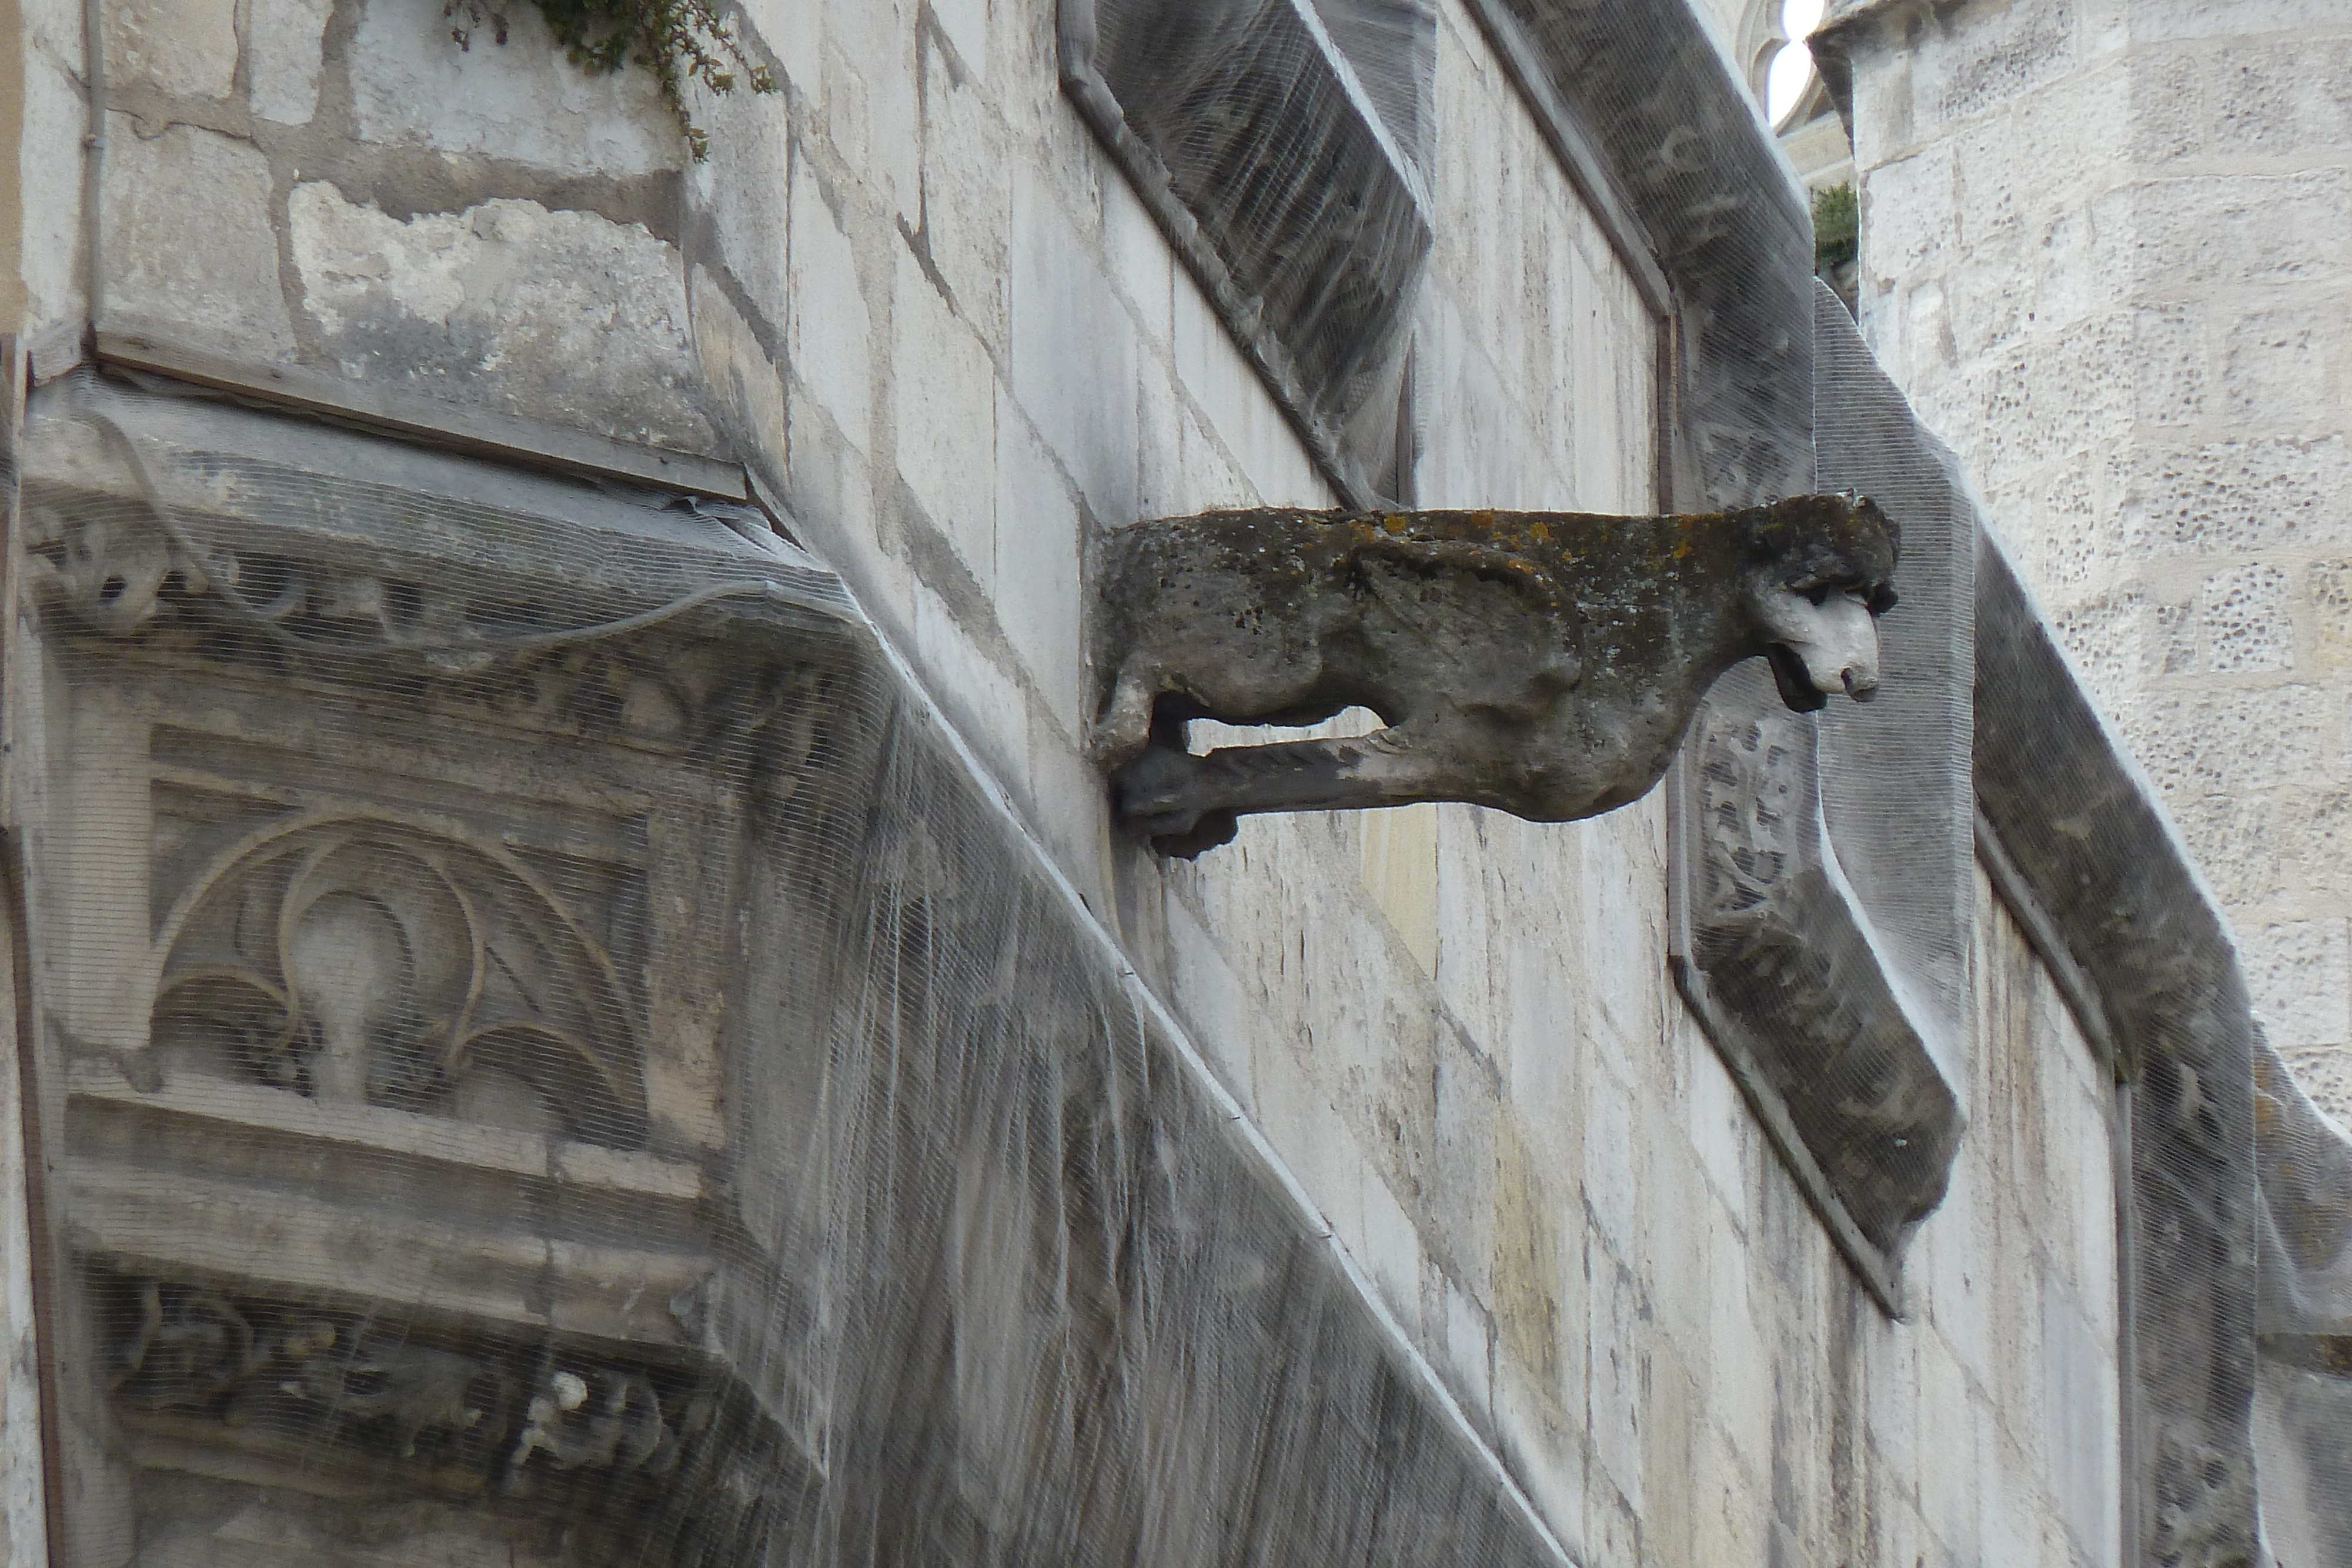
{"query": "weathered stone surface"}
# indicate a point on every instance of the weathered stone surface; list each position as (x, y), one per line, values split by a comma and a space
(562, 315)
(2279, 228)
(283, 59)
(184, 47)
(414, 85)
(2203, 150)
(2279, 370)
(2255, 493)
(189, 246)
(1073, 361)
(831, 328)
(1665, 1345)
(2301, 980)
(2243, 623)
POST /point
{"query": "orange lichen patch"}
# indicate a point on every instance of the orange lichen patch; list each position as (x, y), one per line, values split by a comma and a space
(1394, 522)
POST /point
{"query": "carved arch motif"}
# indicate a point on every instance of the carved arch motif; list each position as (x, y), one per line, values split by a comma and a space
(365, 959)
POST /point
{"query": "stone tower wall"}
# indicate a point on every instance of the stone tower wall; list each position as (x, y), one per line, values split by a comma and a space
(2107, 252)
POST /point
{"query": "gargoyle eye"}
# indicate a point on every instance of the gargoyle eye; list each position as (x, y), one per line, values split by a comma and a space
(1819, 593)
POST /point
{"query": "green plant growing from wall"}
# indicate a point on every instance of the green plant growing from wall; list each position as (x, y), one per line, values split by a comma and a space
(680, 41)
(1837, 228)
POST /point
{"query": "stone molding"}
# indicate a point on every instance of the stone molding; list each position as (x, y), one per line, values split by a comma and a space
(1824, 884)
(1681, 150)
(1775, 955)
(1302, 219)
(2096, 852)
(476, 432)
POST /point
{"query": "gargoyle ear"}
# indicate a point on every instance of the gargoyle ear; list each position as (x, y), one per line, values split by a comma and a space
(1882, 600)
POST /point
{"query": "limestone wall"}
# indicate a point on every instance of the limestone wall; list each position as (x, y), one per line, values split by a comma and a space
(2104, 251)
(915, 298)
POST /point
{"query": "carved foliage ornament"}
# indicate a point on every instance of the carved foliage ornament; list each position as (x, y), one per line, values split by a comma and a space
(365, 960)
(278, 1373)
(1546, 664)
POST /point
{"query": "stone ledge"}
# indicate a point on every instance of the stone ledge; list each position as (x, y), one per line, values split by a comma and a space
(476, 432)
(227, 1105)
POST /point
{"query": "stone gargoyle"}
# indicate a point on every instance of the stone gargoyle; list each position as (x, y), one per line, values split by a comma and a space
(1542, 662)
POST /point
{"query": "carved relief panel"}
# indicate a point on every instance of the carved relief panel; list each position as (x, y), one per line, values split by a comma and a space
(387, 955)
(364, 959)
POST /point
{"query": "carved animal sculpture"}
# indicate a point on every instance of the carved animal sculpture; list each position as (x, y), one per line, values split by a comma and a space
(1542, 662)
(414, 1388)
(623, 1430)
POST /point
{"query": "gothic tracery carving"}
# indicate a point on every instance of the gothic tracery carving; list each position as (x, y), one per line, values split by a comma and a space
(364, 959)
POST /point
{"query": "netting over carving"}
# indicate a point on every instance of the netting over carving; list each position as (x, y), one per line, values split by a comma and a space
(554, 1057)
(1282, 145)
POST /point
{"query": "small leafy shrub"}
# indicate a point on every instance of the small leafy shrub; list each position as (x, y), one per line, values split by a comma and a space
(678, 40)
(1837, 228)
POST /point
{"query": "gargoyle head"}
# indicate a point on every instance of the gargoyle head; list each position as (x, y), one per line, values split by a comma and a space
(1814, 582)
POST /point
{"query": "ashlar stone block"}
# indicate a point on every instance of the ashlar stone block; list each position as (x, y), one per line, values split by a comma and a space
(1038, 526)
(2001, 54)
(1905, 207)
(2245, 623)
(2301, 979)
(2235, 742)
(967, 195)
(2278, 367)
(831, 332)
(188, 250)
(562, 316)
(414, 85)
(183, 46)
(943, 405)
(284, 58)
(2165, 367)
(2254, 492)
(1074, 359)
(2279, 99)
(744, 189)
(2284, 228)
(2329, 596)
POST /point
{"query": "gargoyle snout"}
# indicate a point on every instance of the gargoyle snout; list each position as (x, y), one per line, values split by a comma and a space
(1860, 677)
(1818, 650)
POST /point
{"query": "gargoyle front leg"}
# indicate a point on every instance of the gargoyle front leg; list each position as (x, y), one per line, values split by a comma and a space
(1185, 804)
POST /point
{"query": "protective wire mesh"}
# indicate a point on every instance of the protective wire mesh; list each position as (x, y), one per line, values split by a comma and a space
(1828, 879)
(553, 1056)
(2303, 1395)
(1280, 144)
(2083, 826)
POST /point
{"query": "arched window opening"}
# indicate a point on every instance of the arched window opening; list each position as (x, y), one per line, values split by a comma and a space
(1789, 70)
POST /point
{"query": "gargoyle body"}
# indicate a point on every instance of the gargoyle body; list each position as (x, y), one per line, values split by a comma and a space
(1542, 662)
